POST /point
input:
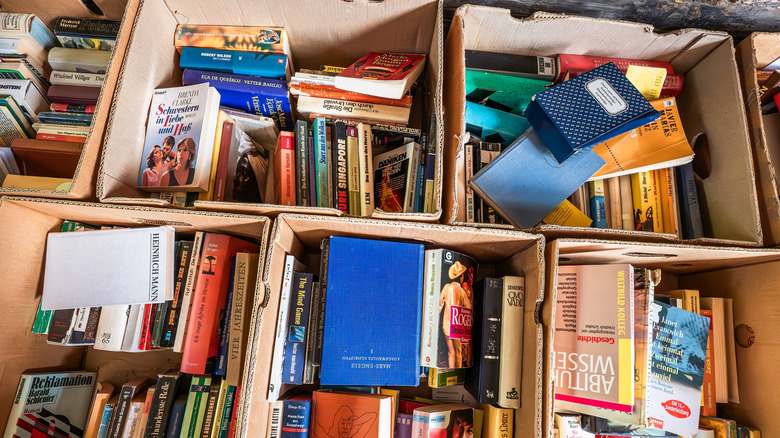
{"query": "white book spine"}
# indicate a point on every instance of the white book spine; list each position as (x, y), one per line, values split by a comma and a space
(132, 335)
(111, 328)
(366, 170)
(78, 79)
(413, 152)
(430, 321)
(186, 300)
(277, 360)
(20, 397)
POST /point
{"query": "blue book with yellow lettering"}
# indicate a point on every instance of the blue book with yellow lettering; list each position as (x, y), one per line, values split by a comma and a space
(267, 65)
(373, 312)
(260, 96)
(297, 326)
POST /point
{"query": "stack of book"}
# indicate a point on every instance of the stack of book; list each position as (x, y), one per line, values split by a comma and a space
(376, 88)
(648, 373)
(499, 90)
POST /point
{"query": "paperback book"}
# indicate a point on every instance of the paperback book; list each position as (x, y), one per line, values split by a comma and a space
(382, 74)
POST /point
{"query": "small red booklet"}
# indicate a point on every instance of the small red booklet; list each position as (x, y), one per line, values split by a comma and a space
(382, 74)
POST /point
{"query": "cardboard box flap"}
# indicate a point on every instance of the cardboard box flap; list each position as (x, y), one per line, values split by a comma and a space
(546, 34)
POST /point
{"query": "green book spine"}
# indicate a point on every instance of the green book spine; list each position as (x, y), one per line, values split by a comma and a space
(227, 412)
(42, 321)
(196, 407)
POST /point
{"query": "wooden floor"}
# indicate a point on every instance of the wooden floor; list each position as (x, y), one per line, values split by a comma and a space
(738, 17)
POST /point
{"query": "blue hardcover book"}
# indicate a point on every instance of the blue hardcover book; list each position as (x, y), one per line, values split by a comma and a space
(224, 327)
(690, 210)
(502, 92)
(267, 65)
(588, 110)
(494, 126)
(296, 416)
(176, 419)
(319, 130)
(297, 324)
(105, 420)
(260, 96)
(525, 182)
(373, 318)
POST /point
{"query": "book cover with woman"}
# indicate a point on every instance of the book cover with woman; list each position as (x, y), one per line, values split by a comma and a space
(179, 141)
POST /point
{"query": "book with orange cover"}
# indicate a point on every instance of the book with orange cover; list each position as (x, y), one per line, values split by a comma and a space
(330, 92)
(284, 169)
(103, 393)
(656, 145)
(201, 343)
(369, 415)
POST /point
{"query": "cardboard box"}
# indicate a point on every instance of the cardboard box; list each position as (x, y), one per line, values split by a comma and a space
(711, 114)
(21, 268)
(499, 252)
(745, 275)
(756, 52)
(331, 33)
(83, 186)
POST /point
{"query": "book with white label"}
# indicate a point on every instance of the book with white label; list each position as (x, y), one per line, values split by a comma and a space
(108, 267)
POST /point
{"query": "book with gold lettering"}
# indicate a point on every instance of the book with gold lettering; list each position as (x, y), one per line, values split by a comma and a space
(593, 343)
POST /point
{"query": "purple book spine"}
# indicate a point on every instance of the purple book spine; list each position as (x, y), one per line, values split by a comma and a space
(403, 426)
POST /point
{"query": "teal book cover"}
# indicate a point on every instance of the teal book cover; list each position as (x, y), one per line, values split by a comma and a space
(493, 125)
(373, 312)
(266, 65)
(507, 93)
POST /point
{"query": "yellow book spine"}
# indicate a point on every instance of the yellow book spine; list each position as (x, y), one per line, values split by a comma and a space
(656, 201)
(566, 214)
(642, 196)
(498, 422)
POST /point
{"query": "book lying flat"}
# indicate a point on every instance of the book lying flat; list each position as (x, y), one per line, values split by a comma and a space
(108, 267)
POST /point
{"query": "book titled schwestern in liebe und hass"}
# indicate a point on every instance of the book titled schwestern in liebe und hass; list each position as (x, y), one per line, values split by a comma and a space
(179, 140)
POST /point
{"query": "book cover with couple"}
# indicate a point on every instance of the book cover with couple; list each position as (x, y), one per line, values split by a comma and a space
(179, 139)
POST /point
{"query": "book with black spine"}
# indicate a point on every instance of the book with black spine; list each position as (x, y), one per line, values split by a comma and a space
(169, 385)
(537, 67)
(340, 173)
(482, 378)
(122, 409)
(302, 162)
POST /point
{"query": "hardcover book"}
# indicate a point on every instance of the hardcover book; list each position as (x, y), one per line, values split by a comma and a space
(137, 266)
(284, 169)
(507, 93)
(594, 336)
(448, 309)
(370, 415)
(358, 348)
(244, 282)
(79, 60)
(340, 167)
(169, 386)
(266, 65)
(240, 38)
(525, 183)
(182, 121)
(511, 362)
(676, 359)
(443, 421)
(482, 378)
(395, 178)
(587, 110)
(195, 410)
(73, 94)
(29, 98)
(254, 95)
(86, 33)
(59, 400)
(297, 327)
(523, 66)
(382, 74)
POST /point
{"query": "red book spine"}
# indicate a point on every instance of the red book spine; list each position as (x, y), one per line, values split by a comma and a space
(59, 137)
(234, 415)
(585, 63)
(208, 300)
(284, 169)
(146, 330)
(71, 108)
(222, 164)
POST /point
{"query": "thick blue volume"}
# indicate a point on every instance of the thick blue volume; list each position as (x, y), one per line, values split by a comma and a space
(267, 65)
(373, 313)
(264, 97)
(590, 109)
(525, 182)
(295, 419)
(175, 420)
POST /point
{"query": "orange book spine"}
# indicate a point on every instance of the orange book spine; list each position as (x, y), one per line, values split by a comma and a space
(284, 169)
(665, 192)
(329, 92)
(208, 299)
(708, 398)
(59, 137)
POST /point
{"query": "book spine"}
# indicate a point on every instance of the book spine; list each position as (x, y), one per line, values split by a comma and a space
(234, 416)
(71, 108)
(42, 321)
(284, 169)
(421, 161)
(157, 325)
(227, 412)
(219, 409)
(658, 200)
(490, 351)
(689, 206)
(329, 172)
(469, 152)
(641, 191)
(708, 386)
(176, 420)
(86, 27)
(61, 323)
(244, 283)
(119, 418)
(321, 152)
(164, 395)
(227, 61)
(365, 155)
(330, 92)
(17, 408)
(626, 202)
(224, 326)
(615, 206)
(430, 180)
(172, 312)
(243, 38)
(585, 63)
(311, 335)
(597, 205)
(320, 316)
(220, 175)
(210, 409)
(302, 163)
(196, 407)
(277, 361)
(295, 419)
(476, 159)
(295, 345)
(512, 307)
(352, 109)
(186, 300)
(146, 334)
(341, 166)
(311, 159)
(430, 319)
(77, 79)
(105, 421)
(275, 419)
(353, 164)
(76, 138)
